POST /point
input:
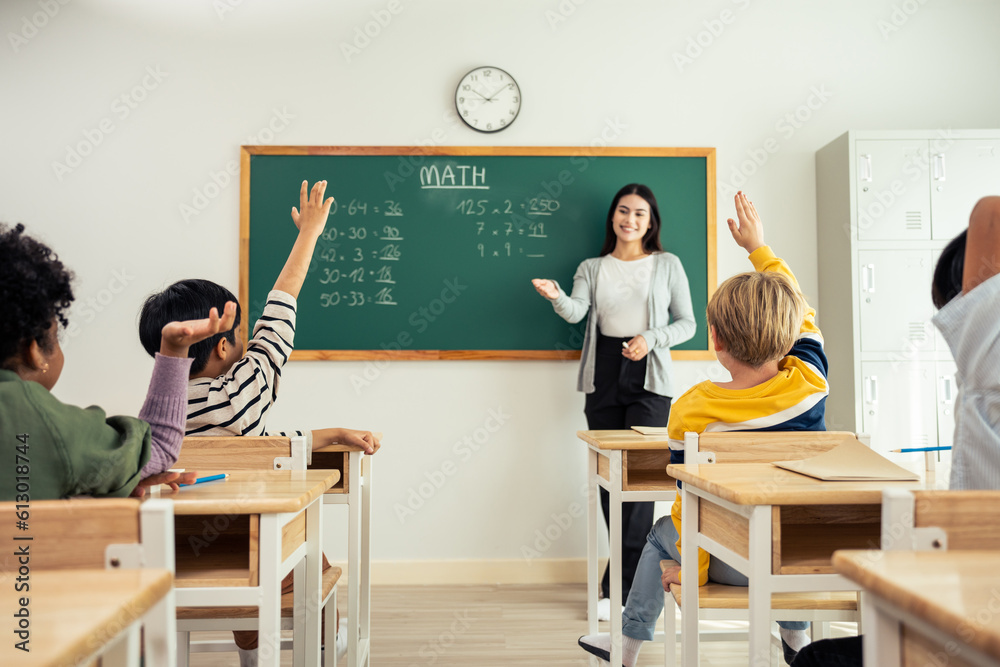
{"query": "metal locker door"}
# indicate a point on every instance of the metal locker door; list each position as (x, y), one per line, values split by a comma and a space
(893, 190)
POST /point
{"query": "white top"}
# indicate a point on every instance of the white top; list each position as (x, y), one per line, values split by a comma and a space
(623, 296)
(971, 325)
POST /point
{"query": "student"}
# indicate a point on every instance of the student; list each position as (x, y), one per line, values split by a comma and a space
(230, 393)
(65, 450)
(765, 336)
(640, 306)
(966, 289)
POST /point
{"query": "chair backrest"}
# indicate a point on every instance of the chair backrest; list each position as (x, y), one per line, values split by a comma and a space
(243, 452)
(763, 446)
(932, 520)
(96, 533)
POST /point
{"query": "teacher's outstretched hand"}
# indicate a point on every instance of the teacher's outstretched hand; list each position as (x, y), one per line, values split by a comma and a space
(546, 288)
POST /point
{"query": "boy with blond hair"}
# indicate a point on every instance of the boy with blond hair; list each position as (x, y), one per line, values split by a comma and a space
(765, 335)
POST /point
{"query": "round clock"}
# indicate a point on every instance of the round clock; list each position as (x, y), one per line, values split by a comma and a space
(488, 99)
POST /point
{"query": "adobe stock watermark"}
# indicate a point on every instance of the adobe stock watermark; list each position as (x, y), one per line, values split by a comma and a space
(370, 30)
(462, 452)
(220, 179)
(786, 126)
(900, 16)
(419, 320)
(31, 25)
(562, 12)
(121, 108)
(89, 307)
(703, 40)
(439, 645)
(547, 536)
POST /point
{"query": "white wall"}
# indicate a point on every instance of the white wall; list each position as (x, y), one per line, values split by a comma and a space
(226, 77)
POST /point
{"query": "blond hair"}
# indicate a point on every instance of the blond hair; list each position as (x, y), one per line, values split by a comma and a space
(757, 316)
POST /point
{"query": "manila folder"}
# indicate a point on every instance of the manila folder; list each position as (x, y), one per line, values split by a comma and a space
(850, 461)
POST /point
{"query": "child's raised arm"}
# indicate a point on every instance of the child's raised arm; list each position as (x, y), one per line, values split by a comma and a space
(310, 217)
(982, 246)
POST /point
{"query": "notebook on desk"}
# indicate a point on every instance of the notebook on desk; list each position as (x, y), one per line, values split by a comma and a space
(850, 461)
(650, 430)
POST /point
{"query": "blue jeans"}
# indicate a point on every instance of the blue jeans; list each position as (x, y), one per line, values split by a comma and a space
(645, 600)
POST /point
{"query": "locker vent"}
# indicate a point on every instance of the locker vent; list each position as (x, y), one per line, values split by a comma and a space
(918, 331)
(914, 221)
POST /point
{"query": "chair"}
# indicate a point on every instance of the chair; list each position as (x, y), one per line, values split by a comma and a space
(730, 603)
(245, 453)
(109, 533)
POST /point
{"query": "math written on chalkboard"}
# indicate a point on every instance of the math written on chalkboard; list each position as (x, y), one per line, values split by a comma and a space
(429, 253)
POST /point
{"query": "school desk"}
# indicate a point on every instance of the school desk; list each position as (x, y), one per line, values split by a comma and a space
(281, 513)
(77, 616)
(927, 607)
(630, 466)
(354, 489)
(777, 527)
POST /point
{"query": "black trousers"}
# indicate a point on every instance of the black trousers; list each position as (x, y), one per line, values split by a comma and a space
(619, 402)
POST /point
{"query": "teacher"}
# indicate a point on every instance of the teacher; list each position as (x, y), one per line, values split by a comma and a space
(640, 306)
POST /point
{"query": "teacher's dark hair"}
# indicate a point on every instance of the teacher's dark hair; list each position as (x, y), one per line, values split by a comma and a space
(947, 282)
(651, 241)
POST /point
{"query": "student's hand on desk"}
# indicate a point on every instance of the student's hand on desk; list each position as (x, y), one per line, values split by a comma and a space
(636, 350)
(749, 231)
(171, 478)
(364, 440)
(672, 575)
(546, 288)
(176, 337)
(310, 216)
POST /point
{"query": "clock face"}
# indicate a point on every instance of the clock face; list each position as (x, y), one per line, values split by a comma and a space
(488, 99)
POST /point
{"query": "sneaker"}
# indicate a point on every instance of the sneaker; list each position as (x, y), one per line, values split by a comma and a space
(604, 609)
(342, 639)
(788, 652)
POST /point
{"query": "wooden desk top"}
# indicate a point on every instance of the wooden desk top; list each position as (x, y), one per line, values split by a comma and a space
(765, 484)
(75, 612)
(253, 492)
(623, 439)
(953, 591)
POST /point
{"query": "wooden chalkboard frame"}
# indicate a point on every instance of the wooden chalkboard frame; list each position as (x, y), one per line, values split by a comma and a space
(558, 151)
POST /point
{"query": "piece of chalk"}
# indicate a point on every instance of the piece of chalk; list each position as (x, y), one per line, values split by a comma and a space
(625, 344)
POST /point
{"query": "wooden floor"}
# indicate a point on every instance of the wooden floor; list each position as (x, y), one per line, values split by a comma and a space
(488, 626)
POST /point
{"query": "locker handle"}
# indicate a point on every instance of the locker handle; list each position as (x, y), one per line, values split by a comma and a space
(866, 167)
(871, 389)
(939, 174)
(946, 392)
(868, 278)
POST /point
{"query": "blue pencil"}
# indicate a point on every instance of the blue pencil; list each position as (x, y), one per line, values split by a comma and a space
(210, 478)
(921, 449)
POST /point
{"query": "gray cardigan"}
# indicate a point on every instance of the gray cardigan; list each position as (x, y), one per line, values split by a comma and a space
(669, 298)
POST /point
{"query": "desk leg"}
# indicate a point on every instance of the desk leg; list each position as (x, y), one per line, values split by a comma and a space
(689, 578)
(366, 557)
(881, 644)
(615, 555)
(353, 563)
(593, 516)
(759, 594)
(300, 593)
(312, 592)
(123, 650)
(269, 614)
(161, 633)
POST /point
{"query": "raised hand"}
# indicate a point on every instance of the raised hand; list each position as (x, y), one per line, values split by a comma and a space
(749, 231)
(546, 288)
(314, 210)
(177, 337)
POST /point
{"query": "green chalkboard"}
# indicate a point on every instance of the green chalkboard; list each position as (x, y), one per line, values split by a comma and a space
(429, 253)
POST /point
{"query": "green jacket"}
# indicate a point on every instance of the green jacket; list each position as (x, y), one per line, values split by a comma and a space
(70, 451)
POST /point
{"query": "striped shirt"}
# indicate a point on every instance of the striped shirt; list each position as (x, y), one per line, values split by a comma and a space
(237, 403)
(793, 400)
(972, 328)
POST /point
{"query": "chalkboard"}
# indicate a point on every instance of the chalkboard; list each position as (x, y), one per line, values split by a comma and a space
(428, 252)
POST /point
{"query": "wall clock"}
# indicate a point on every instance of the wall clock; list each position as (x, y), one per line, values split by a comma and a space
(488, 99)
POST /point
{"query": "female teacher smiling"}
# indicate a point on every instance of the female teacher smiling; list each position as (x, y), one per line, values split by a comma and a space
(640, 306)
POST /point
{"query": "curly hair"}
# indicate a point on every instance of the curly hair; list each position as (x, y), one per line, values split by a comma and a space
(34, 291)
